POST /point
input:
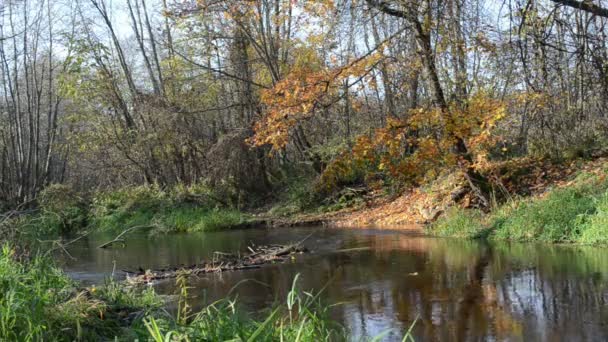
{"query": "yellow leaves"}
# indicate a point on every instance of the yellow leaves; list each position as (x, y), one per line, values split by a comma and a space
(306, 88)
(318, 7)
(290, 101)
(477, 120)
(412, 149)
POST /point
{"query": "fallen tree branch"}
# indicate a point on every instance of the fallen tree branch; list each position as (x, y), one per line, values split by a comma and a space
(118, 237)
(62, 246)
(221, 262)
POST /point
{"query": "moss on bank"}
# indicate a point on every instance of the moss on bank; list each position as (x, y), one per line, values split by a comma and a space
(574, 213)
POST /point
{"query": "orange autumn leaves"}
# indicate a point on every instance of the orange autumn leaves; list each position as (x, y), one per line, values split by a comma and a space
(291, 100)
(408, 150)
(299, 95)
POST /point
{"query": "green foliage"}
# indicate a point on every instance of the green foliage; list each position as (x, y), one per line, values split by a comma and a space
(556, 217)
(551, 219)
(62, 210)
(196, 219)
(345, 198)
(182, 210)
(594, 228)
(573, 214)
(304, 195)
(296, 197)
(25, 295)
(301, 318)
(39, 302)
(458, 222)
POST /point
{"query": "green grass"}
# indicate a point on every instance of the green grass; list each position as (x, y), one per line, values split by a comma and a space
(193, 219)
(176, 219)
(176, 211)
(577, 213)
(168, 212)
(301, 317)
(594, 227)
(38, 302)
(555, 218)
(459, 222)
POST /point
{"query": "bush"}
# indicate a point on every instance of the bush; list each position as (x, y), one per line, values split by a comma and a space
(297, 195)
(62, 210)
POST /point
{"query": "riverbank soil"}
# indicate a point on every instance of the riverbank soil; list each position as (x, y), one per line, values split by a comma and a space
(415, 208)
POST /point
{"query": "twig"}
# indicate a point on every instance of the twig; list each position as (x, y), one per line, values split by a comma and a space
(63, 246)
(118, 238)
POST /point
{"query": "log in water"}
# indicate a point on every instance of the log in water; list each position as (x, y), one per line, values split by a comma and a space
(221, 262)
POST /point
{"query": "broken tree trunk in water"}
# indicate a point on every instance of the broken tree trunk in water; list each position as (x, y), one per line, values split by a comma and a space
(221, 262)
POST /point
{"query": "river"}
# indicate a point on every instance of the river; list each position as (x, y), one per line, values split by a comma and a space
(456, 290)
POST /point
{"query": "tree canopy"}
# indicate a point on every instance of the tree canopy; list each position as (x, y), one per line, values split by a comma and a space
(243, 95)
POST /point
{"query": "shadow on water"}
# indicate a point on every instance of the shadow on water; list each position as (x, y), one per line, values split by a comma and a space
(461, 290)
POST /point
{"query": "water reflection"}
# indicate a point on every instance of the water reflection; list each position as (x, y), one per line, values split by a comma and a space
(459, 290)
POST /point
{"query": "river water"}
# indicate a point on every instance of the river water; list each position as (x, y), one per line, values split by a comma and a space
(458, 290)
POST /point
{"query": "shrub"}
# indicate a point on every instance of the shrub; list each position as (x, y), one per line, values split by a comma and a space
(62, 210)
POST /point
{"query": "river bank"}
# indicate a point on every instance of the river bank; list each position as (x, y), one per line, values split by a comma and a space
(557, 204)
(534, 201)
(40, 302)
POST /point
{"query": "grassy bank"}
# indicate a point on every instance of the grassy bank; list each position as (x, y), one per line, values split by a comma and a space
(183, 210)
(61, 211)
(39, 302)
(575, 212)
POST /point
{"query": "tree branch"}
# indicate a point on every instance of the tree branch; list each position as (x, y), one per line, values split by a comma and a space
(118, 238)
(585, 5)
(384, 7)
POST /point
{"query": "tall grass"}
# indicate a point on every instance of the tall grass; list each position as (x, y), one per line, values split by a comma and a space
(169, 212)
(554, 218)
(577, 213)
(301, 318)
(459, 222)
(38, 302)
(594, 228)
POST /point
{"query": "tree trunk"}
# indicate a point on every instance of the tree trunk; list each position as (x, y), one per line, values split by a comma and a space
(477, 182)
